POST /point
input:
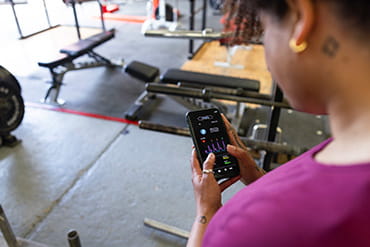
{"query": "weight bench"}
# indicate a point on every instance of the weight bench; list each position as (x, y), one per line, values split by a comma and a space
(174, 76)
(65, 62)
(188, 83)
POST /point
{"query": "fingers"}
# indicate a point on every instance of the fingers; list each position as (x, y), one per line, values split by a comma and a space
(226, 121)
(209, 164)
(235, 151)
(234, 138)
(195, 165)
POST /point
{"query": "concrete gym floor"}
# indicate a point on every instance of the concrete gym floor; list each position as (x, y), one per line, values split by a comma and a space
(99, 177)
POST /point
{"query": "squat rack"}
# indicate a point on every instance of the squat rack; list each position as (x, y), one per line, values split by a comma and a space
(21, 36)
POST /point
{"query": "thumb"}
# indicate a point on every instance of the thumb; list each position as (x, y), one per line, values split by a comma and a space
(209, 164)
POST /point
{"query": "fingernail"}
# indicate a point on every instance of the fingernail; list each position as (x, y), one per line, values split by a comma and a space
(231, 147)
(211, 155)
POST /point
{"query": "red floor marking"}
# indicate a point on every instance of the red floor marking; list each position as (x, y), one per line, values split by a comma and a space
(126, 18)
(60, 109)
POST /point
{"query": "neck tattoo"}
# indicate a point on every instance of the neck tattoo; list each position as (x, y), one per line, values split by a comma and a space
(330, 47)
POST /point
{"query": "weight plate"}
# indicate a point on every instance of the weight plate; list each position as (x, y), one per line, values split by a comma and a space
(11, 108)
(216, 4)
(168, 12)
(7, 77)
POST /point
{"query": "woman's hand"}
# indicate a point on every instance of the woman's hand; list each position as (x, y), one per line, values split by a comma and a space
(207, 196)
(249, 171)
(206, 189)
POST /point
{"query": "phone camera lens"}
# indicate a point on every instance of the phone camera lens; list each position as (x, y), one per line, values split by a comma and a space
(203, 131)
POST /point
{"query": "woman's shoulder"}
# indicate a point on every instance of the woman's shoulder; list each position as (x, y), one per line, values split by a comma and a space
(291, 203)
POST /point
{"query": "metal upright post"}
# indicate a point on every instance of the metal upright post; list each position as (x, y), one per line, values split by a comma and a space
(73, 2)
(272, 125)
(6, 229)
(191, 26)
(101, 15)
(204, 16)
(46, 13)
(16, 18)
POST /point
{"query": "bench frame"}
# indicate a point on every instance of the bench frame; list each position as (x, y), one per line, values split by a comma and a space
(65, 63)
(191, 82)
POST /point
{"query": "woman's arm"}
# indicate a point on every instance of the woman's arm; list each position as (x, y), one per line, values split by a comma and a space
(197, 231)
(206, 189)
(207, 194)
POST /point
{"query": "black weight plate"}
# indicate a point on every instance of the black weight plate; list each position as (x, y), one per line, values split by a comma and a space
(168, 12)
(7, 77)
(11, 108)
(216, 4)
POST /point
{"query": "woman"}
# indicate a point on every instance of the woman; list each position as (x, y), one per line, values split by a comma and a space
(319, 53)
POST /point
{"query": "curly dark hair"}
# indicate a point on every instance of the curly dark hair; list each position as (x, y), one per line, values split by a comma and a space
(243, 22)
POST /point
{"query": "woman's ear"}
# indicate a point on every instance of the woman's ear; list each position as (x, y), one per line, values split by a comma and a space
(303, 16)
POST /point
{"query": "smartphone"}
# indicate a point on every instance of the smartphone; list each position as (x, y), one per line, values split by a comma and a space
(209, 136)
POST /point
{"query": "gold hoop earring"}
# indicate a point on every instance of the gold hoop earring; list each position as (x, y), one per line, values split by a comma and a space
(297, 48)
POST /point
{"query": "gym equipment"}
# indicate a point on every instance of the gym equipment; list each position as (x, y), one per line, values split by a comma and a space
(272, 127)
(166, 228)
(73, 239)
(145, 73)
(206, 34)
(21, 36)
(251, 143)
(192, 26)
(160, 15)
(269, 136)
(216, 4)
(11, 107)
(72, 236)
(164, 28)
(108, 7)
(7, 230)
(9, 236)
(199, 82)
(173, 76)
(13, 241)
(65, 61)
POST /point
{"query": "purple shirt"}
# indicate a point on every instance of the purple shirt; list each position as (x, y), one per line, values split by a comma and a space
(302, 203)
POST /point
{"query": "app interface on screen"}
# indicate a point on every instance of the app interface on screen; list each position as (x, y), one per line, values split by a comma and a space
(212, 138)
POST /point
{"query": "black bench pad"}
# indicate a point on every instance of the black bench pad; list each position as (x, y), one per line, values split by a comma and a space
(61, 59)
(173, 76)
(84, 45)
(142, 71)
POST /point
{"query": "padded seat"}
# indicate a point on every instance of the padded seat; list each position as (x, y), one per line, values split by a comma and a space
(142, 71)
(173, 76)
(82, 46)
(61, 59)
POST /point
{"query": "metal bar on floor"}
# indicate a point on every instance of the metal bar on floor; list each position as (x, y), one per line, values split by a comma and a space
(166, 228)
(6, 229)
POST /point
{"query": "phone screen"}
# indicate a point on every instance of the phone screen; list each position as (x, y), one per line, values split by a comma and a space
(209, 136)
